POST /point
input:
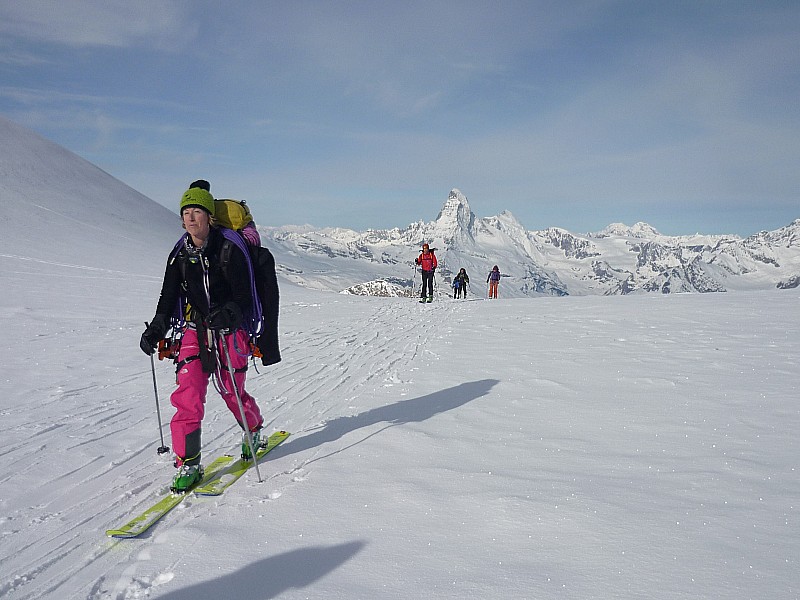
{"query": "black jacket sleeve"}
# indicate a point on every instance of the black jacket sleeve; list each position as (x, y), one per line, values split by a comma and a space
(170, 289)
(264, 263)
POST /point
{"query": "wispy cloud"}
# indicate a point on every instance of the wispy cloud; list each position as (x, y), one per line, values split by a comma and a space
(115, 23)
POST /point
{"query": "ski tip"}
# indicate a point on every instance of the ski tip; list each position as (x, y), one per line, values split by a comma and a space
(120, 534)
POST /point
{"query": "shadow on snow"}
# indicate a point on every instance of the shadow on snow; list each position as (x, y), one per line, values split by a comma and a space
(414, 410)
(270, 577)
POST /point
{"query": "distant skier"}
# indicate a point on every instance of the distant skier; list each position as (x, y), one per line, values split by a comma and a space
(427, 260)
(460, 283)
(494, 281)
(215, 297)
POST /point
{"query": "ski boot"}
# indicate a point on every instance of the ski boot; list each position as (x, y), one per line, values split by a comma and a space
(258, 443)
(186, 478)
(430, 299)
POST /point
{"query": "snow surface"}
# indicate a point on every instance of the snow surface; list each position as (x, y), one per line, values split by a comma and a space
(579, 447)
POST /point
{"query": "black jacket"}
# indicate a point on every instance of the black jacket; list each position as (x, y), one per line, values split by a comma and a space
(184, 274)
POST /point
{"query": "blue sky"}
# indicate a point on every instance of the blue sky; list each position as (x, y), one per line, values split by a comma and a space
(578, 114)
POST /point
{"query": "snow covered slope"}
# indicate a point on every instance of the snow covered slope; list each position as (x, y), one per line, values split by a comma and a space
(50, 196)
(578, 447)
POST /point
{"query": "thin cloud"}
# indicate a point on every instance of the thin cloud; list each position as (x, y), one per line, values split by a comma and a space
(115, 23)
(14, 58)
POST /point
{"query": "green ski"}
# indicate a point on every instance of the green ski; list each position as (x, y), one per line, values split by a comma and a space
(232, 472)
(138, 525)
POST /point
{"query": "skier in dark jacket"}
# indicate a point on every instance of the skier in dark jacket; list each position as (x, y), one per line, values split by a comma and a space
(460, 283)
(213, 296)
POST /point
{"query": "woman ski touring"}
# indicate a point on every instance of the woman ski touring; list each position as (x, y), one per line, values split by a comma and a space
(427, 260)
(214, 294)
(494, 281)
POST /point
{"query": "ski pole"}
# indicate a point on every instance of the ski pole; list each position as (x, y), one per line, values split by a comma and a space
(162, 449)
(241, 407)
(232, 373)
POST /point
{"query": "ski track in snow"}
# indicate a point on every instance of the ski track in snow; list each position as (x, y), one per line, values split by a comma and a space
(363, 352)
(344, 364)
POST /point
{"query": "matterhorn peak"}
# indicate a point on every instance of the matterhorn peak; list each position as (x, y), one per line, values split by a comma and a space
(455, 220)
(455, 207)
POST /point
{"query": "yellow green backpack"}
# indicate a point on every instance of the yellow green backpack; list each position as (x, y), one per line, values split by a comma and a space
(233, 214)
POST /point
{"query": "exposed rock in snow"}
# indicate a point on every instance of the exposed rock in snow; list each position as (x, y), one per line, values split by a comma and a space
(389, 287)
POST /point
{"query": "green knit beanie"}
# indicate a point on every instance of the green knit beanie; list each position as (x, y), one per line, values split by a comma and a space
(198, 197)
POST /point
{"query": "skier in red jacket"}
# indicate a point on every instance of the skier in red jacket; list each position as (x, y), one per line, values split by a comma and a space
(427, 260)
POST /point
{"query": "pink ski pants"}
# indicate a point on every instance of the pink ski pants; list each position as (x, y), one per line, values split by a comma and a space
(190, 397)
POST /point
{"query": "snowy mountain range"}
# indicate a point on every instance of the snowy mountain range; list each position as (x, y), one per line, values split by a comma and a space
(40, 178)
(554, 262)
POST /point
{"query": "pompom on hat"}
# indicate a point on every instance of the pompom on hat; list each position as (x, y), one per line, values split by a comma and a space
(202, 184)
(198, 197)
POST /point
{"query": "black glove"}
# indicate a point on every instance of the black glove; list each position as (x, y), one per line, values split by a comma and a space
(228, 316)
(154, 333)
